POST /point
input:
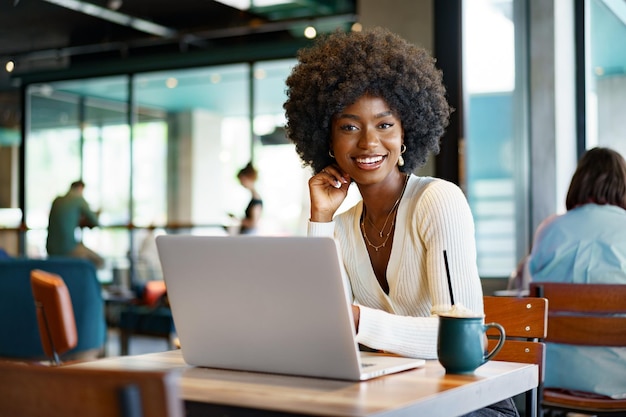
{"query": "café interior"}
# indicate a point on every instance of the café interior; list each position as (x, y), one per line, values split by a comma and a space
(156, 107)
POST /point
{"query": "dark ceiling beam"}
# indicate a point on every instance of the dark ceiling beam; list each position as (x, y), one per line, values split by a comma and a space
(199, 38)
(218, 56)
(116, 17)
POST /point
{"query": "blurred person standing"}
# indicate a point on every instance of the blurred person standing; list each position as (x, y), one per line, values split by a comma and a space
(586, 245)
(247, 176)
(67, 213)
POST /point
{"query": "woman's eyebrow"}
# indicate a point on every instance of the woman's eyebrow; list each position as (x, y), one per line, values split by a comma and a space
(355, 117)
(384, 114)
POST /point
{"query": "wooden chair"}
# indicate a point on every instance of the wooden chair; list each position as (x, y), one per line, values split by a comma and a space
(525, 322)
(586, 315)
(55, 314)
(61, 391)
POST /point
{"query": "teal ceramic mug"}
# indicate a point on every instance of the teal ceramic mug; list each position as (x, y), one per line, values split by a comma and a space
(461, 343)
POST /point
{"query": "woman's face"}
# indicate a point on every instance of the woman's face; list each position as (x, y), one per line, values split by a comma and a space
(366, 138)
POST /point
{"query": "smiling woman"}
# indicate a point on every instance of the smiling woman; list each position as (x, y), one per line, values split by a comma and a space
(370, 115)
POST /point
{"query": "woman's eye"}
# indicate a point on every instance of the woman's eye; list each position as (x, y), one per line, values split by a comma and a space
(385, 125)
(348, 127)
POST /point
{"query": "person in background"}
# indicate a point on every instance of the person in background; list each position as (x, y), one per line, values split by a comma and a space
(368, 108)
(247, 176)
(67, 213)
(586, 245)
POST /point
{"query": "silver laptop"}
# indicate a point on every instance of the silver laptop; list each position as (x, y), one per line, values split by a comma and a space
(266, 304)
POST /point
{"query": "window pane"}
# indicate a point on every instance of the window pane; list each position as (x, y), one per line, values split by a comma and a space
(53, 159)
(192, 136)
(78, 130)
(282, 179)
(492, 102)
(606, 74)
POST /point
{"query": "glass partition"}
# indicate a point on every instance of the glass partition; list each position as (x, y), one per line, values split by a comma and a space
(283, 181)
(605, 74)
(193, 136)
(78, 130)
(495, 144)
(159, 153)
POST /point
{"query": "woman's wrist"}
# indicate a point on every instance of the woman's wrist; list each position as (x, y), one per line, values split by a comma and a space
(321, 216)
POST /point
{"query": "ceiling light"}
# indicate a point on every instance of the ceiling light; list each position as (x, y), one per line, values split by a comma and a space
(114, 4)
(260, 74)
(247, 4)
(10, 66)
(310, 32)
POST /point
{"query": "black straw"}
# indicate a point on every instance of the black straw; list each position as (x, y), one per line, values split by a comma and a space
(445, 259)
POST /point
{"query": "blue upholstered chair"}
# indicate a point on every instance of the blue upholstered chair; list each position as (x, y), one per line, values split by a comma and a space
(19, 333)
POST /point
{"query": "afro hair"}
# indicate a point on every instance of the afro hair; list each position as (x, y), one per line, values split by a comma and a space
(340, 68)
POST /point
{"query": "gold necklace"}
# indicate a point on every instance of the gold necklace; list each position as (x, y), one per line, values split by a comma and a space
(381, 231)
(391, 226)
(382, 245)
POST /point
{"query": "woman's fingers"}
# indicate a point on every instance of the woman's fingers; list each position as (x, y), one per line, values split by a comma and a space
(328, 189)
(333, 174)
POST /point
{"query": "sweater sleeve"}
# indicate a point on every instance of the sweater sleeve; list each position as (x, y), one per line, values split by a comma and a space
(408, 336)
(321, 229)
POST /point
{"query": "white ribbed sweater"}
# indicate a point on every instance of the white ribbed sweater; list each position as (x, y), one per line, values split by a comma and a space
(433, 215)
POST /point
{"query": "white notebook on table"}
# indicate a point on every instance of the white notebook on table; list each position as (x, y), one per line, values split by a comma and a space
(266, 304)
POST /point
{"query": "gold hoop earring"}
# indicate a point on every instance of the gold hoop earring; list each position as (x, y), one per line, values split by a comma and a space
(400, 158)
(330, 152)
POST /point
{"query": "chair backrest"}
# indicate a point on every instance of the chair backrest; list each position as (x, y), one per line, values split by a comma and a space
(584, 314)
(55, 314)
(19, 333)
(525, 321)
(34, 390)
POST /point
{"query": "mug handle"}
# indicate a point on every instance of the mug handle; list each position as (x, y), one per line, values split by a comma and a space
(500, 340)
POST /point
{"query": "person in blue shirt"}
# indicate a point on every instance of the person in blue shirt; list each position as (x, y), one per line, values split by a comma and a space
(586, 245)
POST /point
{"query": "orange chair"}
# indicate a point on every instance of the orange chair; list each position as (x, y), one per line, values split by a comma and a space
(55, 314)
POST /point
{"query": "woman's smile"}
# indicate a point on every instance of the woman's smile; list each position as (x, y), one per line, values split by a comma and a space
(369, 162)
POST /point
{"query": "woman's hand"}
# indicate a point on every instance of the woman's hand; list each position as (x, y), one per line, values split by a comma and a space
(328, 189)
